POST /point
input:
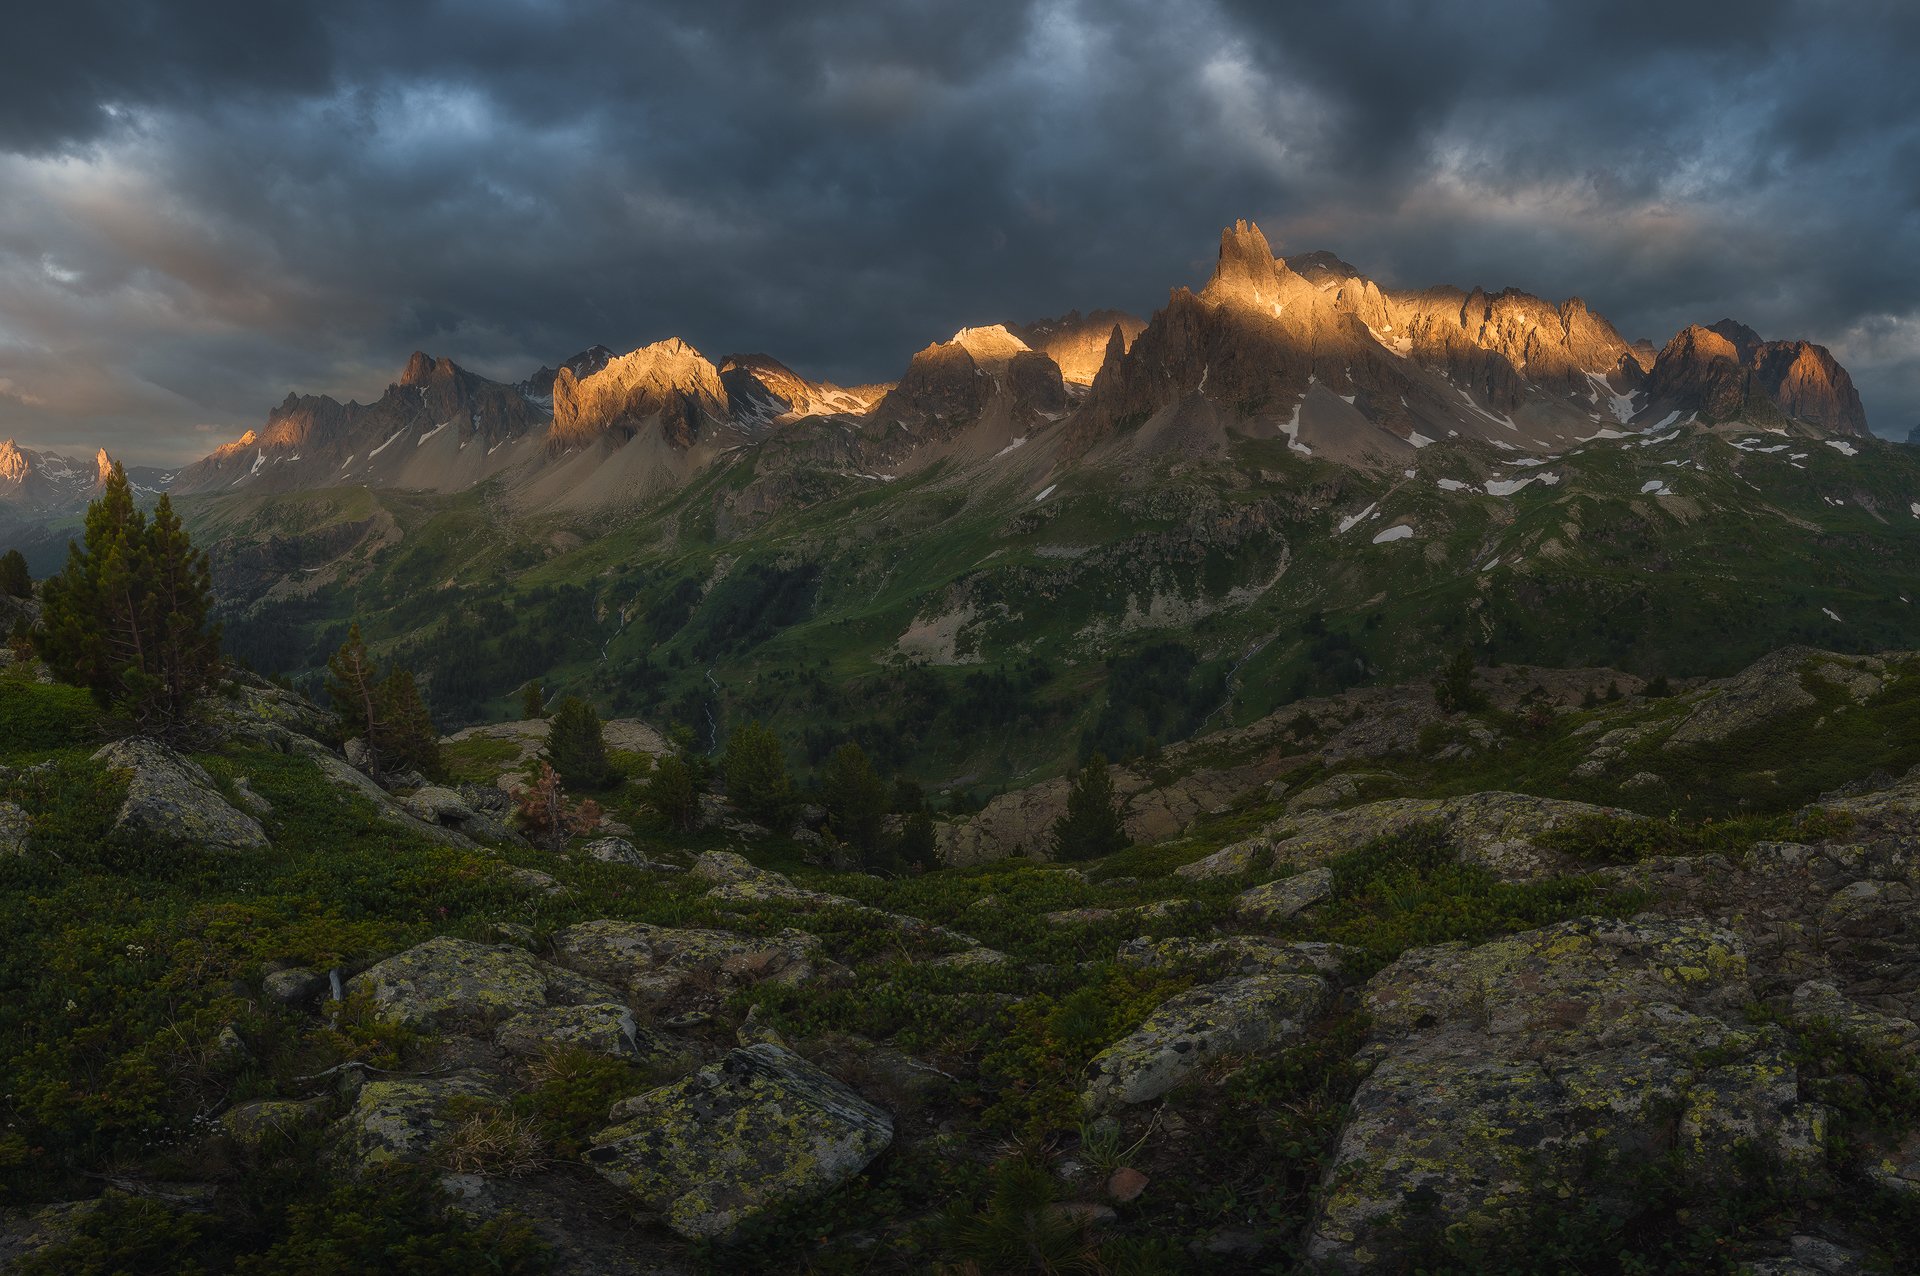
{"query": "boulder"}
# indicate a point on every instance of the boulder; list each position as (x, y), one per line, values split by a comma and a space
(450, 981)
(761, 1129)
(1249, 1012)
(15, 825)
(724, 867)
(406, 1119)
(171, 800)
(1279, 900)
(446, 808)
(658, 964)
(1529, 1064)
(293, 985)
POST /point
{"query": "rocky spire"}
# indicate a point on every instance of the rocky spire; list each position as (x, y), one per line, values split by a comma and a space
(13, 463)
(419, 369)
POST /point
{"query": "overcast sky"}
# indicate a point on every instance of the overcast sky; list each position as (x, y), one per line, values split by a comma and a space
(207, 203)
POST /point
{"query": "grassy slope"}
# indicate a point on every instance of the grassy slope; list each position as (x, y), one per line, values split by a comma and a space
(1591, 571)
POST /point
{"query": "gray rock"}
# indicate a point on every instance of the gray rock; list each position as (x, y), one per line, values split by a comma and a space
(614, 850)
(406, 1119)
(761, 1129)
(1279, 900)
(1186, 1033)
(172, 801)
(1513, 1068)
(449, 981)
(294, 986)
(15, 826)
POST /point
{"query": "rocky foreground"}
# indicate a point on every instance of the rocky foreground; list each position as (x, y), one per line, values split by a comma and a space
(1483, 1030)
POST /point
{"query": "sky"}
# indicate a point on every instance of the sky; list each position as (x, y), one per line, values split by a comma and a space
(205, 204)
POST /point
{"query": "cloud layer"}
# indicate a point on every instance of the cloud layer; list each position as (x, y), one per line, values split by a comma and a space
(204, 205)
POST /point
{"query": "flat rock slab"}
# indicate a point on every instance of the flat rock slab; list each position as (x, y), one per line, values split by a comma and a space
(15, 826)
(1189, 1031)
(171, 800)
(762, 1128)
(1519, 1066)
(1280, 900)
(450, 981)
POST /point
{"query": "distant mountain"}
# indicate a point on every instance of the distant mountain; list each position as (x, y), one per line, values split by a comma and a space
(1726, 372)
(43, 495)
(1304, 348)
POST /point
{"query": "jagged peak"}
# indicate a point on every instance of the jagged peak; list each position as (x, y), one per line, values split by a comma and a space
(13, 462)
(419, 369)
(1246, 269)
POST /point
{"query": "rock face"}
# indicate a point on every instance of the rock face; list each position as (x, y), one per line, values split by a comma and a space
(446, 980)
(1191, 1030)
(1533, 1061)
(1726, 372)
(760, 1129)
(172, 801)
(669, 382)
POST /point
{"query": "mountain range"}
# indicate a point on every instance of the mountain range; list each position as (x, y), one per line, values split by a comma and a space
(1303, 347)
(1090, 531)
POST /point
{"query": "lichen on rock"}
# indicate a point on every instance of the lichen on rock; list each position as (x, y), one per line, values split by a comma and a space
(760, 1129)
(172, 801)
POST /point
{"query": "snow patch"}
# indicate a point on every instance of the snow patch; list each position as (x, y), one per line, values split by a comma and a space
(384, 446)
(1049, 492)
(1655, 487)
(1833, 615)
(1398, 532)
(1019, 442)
(1455, 485)
(1347, 524)
(1507, 487)
(1843, 447)
(1418, 439)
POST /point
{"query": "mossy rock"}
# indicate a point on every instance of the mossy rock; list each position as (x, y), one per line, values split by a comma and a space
(759, 1130)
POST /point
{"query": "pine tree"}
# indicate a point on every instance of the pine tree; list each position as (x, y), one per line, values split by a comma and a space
(15, 580)
(387, 714)
(755, 768)
(128, 617)
(1091, 827)
(672, 791)
(1455, 692)
(915, 845)
(576, 746)
(856, 800)
(533, 701)
(353, 687)
(408, 739)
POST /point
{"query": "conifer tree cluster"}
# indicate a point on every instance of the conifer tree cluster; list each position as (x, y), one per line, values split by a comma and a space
(15, 580)
(129, 617)
(386, 712)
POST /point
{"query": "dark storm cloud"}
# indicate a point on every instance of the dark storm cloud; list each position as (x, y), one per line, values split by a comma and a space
(203, 205)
